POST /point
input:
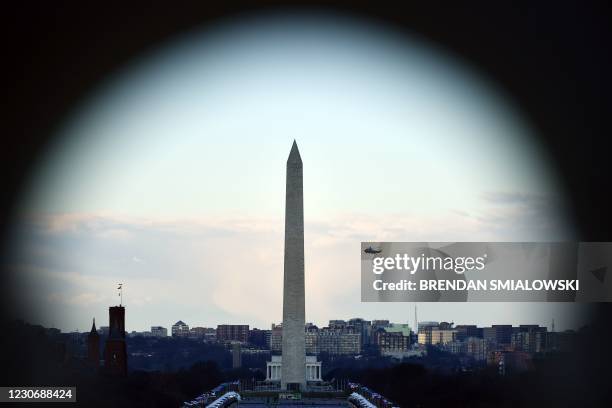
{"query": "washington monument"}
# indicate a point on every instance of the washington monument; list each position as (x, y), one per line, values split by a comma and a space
(293, 376)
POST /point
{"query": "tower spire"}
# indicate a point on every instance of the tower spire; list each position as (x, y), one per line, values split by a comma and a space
(294, 154)
(93, 346)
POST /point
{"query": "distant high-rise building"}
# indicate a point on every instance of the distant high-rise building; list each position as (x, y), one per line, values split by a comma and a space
(210, 334)
(435, 335)
(379, 324)
(115, 351)
(258, 338)
(363, 327)
(158, 331)
(403, 328)
(503, 333)
(337, 325)
(93, 346)
(444, 336)
(529, 338)
(140, 334)
(446, 325)
(500, 334)
(268, 335)
(424, 325)
(233, 332)
(334, 342)
(489, 334)
(468, 330)
(311, 341)
(310, 325)
(180, 329)
(276, 338)
(391, 341)
(198, 333)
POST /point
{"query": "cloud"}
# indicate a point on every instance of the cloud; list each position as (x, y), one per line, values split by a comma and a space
(208, 271)
(81, 299)
(525, 217)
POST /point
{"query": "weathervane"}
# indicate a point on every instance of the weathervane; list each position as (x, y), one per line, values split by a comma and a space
(120, 289)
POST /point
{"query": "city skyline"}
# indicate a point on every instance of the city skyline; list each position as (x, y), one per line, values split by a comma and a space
(410, 323)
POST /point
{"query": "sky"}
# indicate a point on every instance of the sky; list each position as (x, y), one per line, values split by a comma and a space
(170, 177)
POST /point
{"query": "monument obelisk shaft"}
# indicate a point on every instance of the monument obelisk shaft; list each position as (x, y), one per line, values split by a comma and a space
(293, 374)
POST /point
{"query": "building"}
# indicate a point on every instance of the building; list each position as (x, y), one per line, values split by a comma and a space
(233, 332)
(197, 333)
(311, 327)
(180, 329)
(499, 334)
(443, 336)
(363, 327)
(529, 338)
(391, 342)
(337, 325)
(468, 330)
(379, 324)
(93, 347)
(158, 331)
(455, 347)
(210, 334)
(258, 338)
(446, 325)
(425, 325)
(435, 335)
(103, 331)
(311, 340)
(340, 339)
(276, 338)
(115, 350)
(335, 342)
(268, 335)
(312, 369)
(134, 333)
(399, 328)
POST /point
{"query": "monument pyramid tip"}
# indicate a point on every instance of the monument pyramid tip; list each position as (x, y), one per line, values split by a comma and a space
(294, 155)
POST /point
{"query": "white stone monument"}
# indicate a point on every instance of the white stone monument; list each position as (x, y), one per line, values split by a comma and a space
(293, 372)
(293, 369)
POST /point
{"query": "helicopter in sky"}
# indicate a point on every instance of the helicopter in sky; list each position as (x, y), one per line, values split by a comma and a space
(370, 250)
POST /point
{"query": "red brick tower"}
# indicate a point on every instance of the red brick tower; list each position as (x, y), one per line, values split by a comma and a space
(115, 351)
(93, 346)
